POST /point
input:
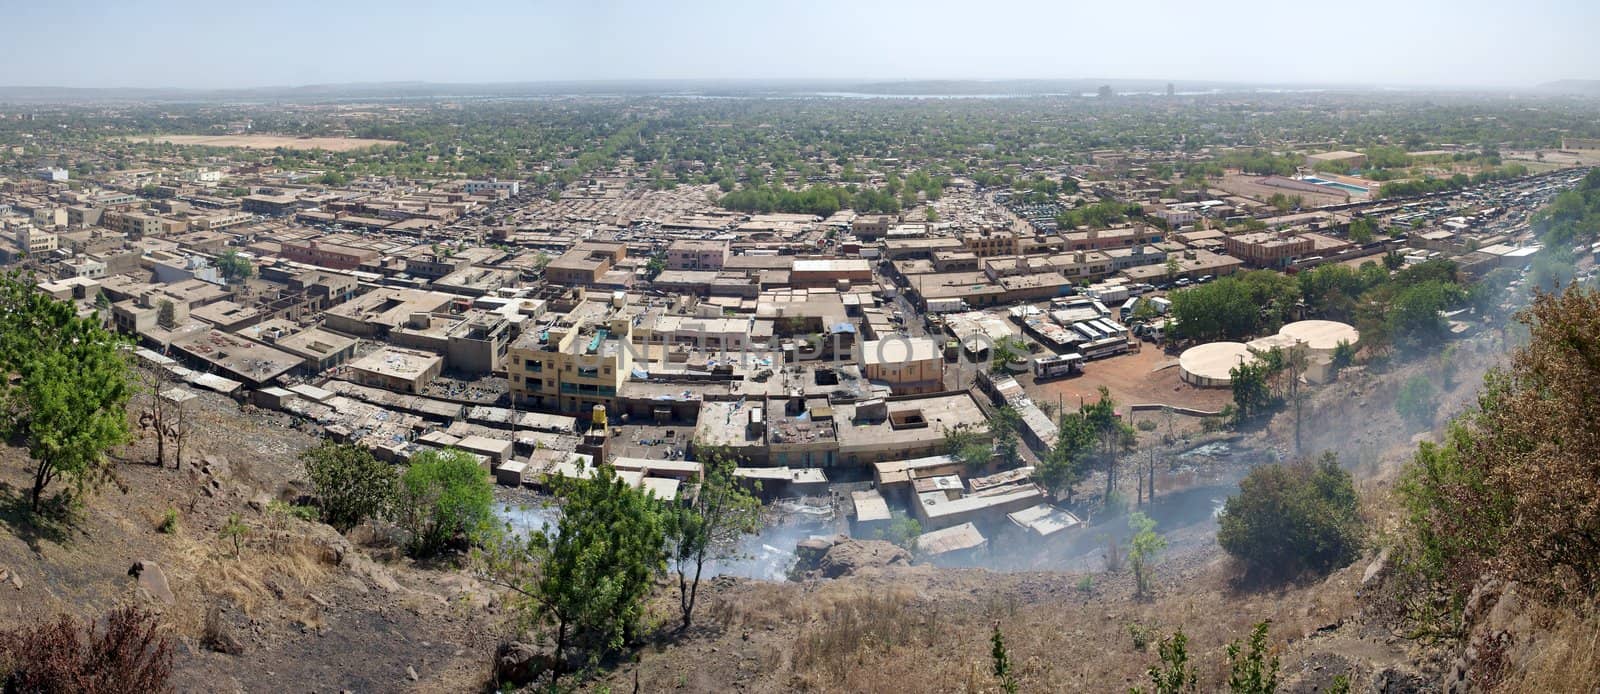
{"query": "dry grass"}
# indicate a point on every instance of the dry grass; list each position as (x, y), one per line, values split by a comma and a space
(269, 559)
(849, 633)
(1564, 659)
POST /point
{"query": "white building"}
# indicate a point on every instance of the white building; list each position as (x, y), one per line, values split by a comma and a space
(53, 174)
(203, 176)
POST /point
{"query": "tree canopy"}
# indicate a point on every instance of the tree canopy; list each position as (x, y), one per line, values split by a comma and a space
(445, 499)
(69, 404)
(1291, 520)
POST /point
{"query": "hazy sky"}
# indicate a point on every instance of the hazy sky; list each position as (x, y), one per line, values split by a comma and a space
(190, 43)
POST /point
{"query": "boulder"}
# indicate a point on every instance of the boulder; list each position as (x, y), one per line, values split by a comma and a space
(518, 664)
(152, 581)
(852, 556)
(1376, 570)
(218, 635)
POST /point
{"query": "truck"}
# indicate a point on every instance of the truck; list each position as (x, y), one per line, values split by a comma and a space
(951, 305)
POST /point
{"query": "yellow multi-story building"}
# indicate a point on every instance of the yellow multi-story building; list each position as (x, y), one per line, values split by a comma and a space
(571, 368)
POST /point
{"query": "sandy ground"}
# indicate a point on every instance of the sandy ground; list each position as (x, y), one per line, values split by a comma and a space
(1138, 378)
(1239, 184)
(332, 144)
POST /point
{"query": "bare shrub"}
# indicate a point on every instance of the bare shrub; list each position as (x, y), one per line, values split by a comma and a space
(131, 653)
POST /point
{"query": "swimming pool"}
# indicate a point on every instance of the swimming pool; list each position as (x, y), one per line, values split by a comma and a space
(1335, 184)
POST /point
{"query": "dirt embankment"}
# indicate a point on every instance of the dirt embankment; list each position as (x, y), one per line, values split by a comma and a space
(298, 608)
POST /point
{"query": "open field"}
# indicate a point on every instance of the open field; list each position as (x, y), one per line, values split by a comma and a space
(1249, 186)
(332, 144)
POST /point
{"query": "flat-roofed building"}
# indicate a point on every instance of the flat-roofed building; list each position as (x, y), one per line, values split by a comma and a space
(134, 225)
(272, 205)
(1345, 159)
(988, 243)
(585, 264)
(328, 255)
(34, 241)
(903, 427)
(318, 349)
(828, 273)
(376, 313)
(239, 358)
(1102, 239)
(399, 370)
(697, 254)
(1267, 249)
(909, 365)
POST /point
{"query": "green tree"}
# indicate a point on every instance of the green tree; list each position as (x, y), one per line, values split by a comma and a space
(1252, 671)
(1004, 425)
(233, 266)
(166, 314)
(1005, 351)
(709, 527)
(1063, 466)
(1362, 230)
(1001, 660)
(1146, 545)
(656, 266)
(587, 578)
(445, 498)
(351, 485)
(68, 402)
(969, 445)
(1251, 396)
(1417, 401)
(1174, 674)
(235, 531)
(904, 533)
(1291, 520)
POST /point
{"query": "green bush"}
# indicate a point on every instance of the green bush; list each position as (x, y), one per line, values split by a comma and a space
(169, 522)
(445, 500)
(1290, 520)
(350, 484)
(1417, 402)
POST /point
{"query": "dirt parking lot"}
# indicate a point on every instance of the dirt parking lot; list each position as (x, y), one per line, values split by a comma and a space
(1148, 376)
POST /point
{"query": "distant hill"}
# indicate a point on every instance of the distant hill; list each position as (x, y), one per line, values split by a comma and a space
(1584, 87)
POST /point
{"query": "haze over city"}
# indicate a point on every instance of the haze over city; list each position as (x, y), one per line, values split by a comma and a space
(191, 44)
(770, 347)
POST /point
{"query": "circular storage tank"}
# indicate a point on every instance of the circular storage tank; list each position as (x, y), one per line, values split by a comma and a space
(1321, 337)
(1208, 365)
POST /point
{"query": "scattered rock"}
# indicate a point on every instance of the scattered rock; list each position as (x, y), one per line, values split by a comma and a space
(152, 581)
(1394, 680)
(324, 604)
(411, 673)
(260, 501)
(9, 576)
